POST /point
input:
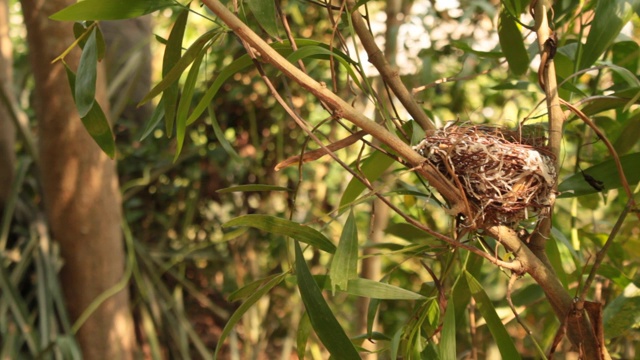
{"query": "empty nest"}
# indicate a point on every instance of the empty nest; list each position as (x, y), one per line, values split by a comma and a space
(506, 177)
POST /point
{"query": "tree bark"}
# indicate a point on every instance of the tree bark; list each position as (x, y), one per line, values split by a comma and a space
(7, 128)
(80, 190)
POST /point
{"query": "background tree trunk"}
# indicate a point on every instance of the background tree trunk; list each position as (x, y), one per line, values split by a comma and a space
(7, 128)
(80, 191)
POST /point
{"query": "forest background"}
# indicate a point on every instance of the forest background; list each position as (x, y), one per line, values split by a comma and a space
(189, 245)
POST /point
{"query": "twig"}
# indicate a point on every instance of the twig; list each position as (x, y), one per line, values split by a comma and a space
(339, 106)
(390, 76)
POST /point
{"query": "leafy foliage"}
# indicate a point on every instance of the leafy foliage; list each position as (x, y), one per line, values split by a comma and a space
(194, 244)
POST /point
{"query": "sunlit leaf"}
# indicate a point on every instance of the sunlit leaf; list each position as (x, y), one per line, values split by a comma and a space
(110, 9)
(278, 226)
(322, 319)
(512, 44)
(485, 307)
(251, 300)
(344, 265)
(606, 172)
(610, 17)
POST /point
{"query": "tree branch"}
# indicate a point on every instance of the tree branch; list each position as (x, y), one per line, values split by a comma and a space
(390, 76)
(340, 107)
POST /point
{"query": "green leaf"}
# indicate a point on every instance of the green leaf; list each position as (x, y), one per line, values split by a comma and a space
(322, 319)
(623, 313)
(284, 227)
(607, 172)
(372, 167)
(220, 134)
(85, 88)
(373, 289)
(95, 121)
(156, 116)
(448, 335)
(185, 102)
(110, 9)
(237, 65)
(189, 56)
(304, 330)
(251, 300)
(250, 288)
(629, 135)
(265, 12)
(512, 44)
(172, 55)
(344, 265)
(610, 17)
(252, 187)
(497, 329)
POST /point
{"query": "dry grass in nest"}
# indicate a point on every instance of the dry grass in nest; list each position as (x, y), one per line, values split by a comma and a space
(506, 177)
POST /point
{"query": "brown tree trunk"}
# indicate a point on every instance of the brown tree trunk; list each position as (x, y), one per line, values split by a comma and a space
(7, 128)
(80, 188)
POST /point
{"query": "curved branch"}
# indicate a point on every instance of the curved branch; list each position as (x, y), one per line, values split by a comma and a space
(390, 76)
(340, 107)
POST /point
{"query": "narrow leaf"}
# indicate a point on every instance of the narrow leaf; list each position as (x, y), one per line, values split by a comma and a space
(250, 288)
(610, 17)
(217, 130)
(322, 319)
(180, 66)
(488, 312)
(304, 330)
(156, 116)
(265, 12)
(512, 44)
(109, 9)
(95, 121)
(448, 335)
(344, 265)
(606, 172)
(185, 102)
(85, 89)
(172, 55)
(372, 167)
(284, 227)
(251, 300)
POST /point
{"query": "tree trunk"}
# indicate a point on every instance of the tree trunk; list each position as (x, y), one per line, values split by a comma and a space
(7, 128)
(81, 193)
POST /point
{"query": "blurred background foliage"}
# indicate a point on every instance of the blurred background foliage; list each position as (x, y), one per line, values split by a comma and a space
(184, 264)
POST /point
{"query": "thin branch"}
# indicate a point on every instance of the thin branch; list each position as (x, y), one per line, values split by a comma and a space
(390, 76)
(339, 106)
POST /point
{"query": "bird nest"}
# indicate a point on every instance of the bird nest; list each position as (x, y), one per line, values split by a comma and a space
(506, 177)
